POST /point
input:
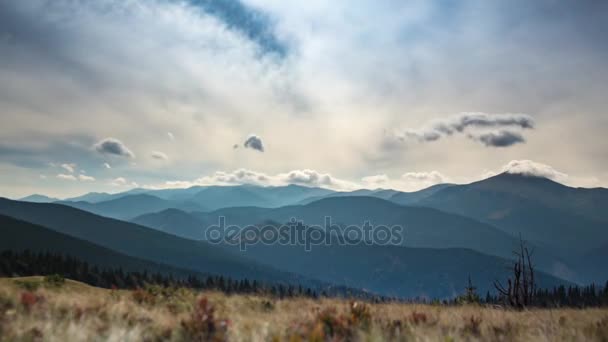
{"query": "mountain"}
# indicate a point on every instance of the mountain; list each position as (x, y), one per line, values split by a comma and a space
(594, 263)
(423, 227)
(385, 270)
(130, 206)
(36, 198)
(379, 193)
(141, 242)
(543, 211)
(391, 270)
(93, 197)
(216, 197)
(174, 221)
(588, 202)
(407, 198)
(17, 235)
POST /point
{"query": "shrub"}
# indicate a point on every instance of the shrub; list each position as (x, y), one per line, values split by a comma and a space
(29, 299)
(328, 325)
(28, 285)
(54, 280)
(472, 326)
(417, 318)
(203, 325)
(142, 296)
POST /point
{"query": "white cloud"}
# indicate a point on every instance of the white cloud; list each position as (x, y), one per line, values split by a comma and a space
(377, 180)
(433, 177)
(304, 177)
(408, 182)
(71, 177)
(107, 166)
(531, 168)
(159, 155)
(119, 181)
(86, 178)
(66, 177)
(69, 167)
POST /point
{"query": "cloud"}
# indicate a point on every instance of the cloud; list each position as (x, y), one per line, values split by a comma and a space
(71, 177)
(122, 182)
(115, 147)
(433, 177)
(313, 178)
(412, 181)
(159, 155)
(107, 166)
(305, 177)
(66, 177)
(69, 167)
(250, 22)
(376, 180)
(501, 138)
(254, 142)
(531, 168)
(475, 124)
(171, 136)
(149, 67)
(86, 178)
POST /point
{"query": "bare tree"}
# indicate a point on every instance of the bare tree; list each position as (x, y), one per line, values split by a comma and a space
(521, 287)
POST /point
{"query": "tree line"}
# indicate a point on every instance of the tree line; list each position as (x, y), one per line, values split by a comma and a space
(28, 263)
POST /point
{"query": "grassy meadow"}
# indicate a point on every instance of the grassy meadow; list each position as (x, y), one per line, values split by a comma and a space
(48, 309)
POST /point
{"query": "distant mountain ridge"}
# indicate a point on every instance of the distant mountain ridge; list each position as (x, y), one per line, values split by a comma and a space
(213, 197)
(543, 211)
(37, 198)
(388, 270)
(423, 227)
(130, 206)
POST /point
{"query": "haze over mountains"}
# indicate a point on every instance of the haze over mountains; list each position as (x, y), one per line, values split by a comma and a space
(451, 231)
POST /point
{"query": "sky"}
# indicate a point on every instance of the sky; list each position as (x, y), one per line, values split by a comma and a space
(109, 95)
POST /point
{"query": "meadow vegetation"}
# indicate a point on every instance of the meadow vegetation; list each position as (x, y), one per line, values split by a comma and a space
(51, 308)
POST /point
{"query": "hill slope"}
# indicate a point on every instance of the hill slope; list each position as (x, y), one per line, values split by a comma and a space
(130, 206)
(541, 210)
(391, 270)
(17, 235)
(423, 227)
(141, 242)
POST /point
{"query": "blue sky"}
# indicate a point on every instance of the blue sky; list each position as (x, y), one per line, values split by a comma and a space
(401, 94)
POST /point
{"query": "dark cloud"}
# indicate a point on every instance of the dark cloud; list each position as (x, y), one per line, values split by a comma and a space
(499, 139)
(114, 147)
(254, 142)
(250, 22)
(463, 121)
(476, 126)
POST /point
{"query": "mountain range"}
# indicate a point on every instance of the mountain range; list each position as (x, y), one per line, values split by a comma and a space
(451, 231)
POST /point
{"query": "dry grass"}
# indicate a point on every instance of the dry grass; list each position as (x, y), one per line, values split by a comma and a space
(32, 309)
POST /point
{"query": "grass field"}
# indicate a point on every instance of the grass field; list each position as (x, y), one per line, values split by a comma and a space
(37, 308)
